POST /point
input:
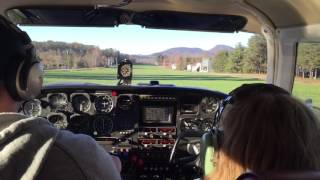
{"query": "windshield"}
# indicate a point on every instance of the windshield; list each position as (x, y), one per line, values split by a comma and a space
(217, 61)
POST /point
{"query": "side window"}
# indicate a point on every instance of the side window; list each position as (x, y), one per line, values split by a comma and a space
(307, 81)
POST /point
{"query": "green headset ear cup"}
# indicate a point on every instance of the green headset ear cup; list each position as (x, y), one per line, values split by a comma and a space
(209, 145)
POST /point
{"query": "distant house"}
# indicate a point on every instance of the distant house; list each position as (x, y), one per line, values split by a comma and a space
(189, 67)
(206, 65)
(203, 66)
(196, 67)
(111, 62)
(173, 66)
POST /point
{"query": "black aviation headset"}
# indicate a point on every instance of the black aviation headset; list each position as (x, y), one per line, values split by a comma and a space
(21, 71)
(214, 138)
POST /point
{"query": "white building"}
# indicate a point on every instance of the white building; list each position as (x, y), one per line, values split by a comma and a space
(189, 67)
(206, 65)
(173, 66)
(196, 67)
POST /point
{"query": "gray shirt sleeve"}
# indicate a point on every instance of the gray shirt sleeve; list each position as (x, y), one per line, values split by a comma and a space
(91, 158)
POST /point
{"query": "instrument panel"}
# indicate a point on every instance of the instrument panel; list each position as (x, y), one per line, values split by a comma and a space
(103, 112)
(139, 124)
(95, 113)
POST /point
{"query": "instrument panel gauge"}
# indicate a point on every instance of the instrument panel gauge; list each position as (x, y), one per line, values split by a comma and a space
(32, 108)
(58, 100)
(59, 120)
(102, 126)
(213, 104)
(209, 105)
(81, 103)
(103, 104)
(80, 124)
(124, 102)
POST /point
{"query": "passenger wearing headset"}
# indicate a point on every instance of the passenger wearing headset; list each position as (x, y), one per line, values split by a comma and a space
(260, 128)
(31, 148)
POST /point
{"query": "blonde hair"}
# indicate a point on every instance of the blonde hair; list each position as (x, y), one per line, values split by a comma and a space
(267, 131)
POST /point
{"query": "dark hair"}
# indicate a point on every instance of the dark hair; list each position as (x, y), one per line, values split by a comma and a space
(266, 129)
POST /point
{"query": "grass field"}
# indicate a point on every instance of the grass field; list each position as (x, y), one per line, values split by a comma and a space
(303, 89)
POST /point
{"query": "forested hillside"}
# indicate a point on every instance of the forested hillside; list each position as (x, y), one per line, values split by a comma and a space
(61, 55)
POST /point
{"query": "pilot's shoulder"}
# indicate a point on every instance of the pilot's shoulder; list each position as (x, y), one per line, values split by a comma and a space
(88, 154)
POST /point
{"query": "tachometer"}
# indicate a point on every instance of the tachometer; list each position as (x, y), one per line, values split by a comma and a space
(103, 104)
(32, 108)
(57, 100)
(59, 120)
(102, 126)
(81, 103)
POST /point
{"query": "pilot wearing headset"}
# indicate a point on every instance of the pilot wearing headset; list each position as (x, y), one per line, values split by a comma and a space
(260, 130)
(31, 148)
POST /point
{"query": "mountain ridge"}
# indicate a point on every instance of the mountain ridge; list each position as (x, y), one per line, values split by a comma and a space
(193, 51)
(178, 52)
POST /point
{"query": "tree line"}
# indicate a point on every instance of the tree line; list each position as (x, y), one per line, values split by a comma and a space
(61, 55)
(308, 60)
(253, 59)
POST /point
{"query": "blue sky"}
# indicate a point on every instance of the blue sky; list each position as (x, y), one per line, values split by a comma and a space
(133, 39)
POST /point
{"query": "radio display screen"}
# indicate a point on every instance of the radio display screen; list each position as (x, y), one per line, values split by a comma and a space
(158, 115)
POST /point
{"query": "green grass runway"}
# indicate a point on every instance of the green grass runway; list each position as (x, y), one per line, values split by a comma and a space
(143, 74)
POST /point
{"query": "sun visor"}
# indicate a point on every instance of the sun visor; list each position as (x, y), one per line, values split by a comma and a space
(108, 17)
(190, 21)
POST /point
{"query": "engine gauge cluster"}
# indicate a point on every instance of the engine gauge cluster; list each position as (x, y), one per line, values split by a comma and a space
(196, 124)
